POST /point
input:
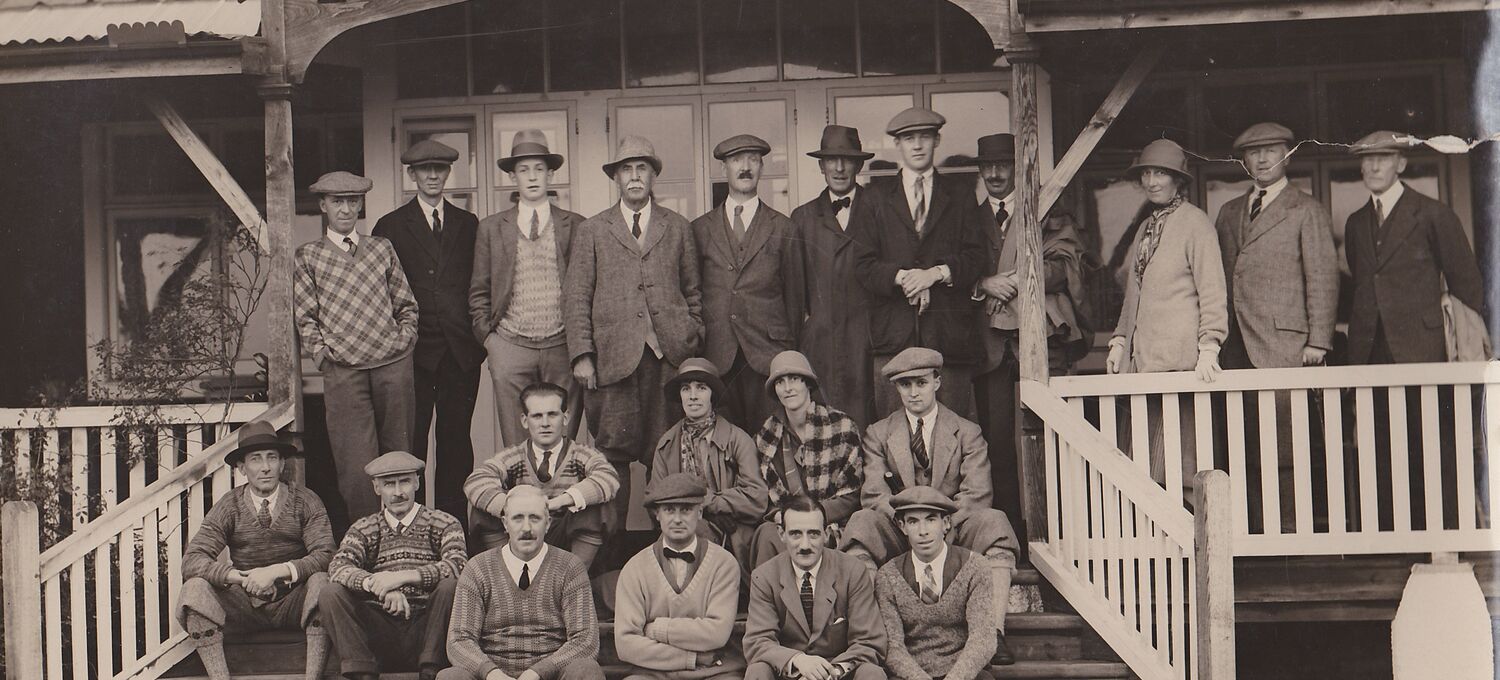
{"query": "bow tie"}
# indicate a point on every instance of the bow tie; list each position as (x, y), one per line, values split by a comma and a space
(676, 555)
(841, 204)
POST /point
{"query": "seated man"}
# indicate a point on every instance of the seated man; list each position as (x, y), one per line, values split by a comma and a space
(525, 611)
(393, 577)
(926, 444)
(576, 479)
(707, 446)
(836, 633)
(935, 599)
(675, 601)
(806, 448)
(279, 543)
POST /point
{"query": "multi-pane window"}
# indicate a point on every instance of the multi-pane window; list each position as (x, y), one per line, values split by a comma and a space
(554, 126)
(456, 132)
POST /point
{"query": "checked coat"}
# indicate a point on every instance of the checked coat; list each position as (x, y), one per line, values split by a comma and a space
(828, 467)
(357, 311)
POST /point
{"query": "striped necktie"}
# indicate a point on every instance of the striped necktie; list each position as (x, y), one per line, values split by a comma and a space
(1257, 204)
(349, 242)
(919, 447)
(929, 586)
(920, 214)
(807, 596)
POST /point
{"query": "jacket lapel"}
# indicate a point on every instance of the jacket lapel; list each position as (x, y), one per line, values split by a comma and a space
(901, 203)
(909, 573)
(944, 443)
(416, 223)
(955, 562)
(829, 221)
(823, 596)
(758, 232)
(621, 230)
(562, 232)
(718, 233)
(791, 596)
(1270, 216)
(658, 228)
(899, 444)
(941, 201)
(1398, 225)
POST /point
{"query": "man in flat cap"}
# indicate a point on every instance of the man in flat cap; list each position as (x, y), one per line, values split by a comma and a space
(515, 298)
(435, 242)
(633, 312)
(716, 452)
(923, 250)
(357, 316)
(752, 282)
(836, 631)
(393, 579)
(935, 597)
(575, 479)
(279, 543)
(525, 610)
(675, 600)
(926, 444)
(836, 334)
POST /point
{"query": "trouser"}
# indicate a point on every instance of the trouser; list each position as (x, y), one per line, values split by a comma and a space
(957, 392)
(766, 543)
(746, 403)
(452, 389)
(202, 605)
(996, 399)
(513, 368)
(729, 534)
(626, 418)
(582, 669)
(566, 528)
(367, 638)
(761, 670)
(370, 411)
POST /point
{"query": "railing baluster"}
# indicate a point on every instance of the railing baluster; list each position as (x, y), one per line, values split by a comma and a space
(125, 563)
(1333, 457)
(78, 619)
(1400, 453)
(1171, 429)
(52, 619)
(1054, 506)
(23, 457)
(1140, 433)
(1302, 461)
(1203, 415)
(1159, 568)
(1270, 467)
(1369, 497)
(109, 479)
(104, 632)
(1463, 450)
(1491, 440)
(51, 469)
(1432, 465)
(1109, 420)
(1235, 413)
(151, 578)
(1179, 608)
(1115, 563)
(1096, 520)
(1128, 577)
(78, 468)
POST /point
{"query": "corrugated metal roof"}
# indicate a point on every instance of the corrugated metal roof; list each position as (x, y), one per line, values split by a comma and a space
(41, 23)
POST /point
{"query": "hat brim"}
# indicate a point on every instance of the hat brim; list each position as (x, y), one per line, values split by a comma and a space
(995, 159)
(810, 379)
(1240, 148)
(829, 153)
(925, 506)
(743, 149)
(914, 128)
(609, 168)
(238, 453)
(673, 387)
(508, 164)
(691, 500)
(914, 372)
(1135, 172)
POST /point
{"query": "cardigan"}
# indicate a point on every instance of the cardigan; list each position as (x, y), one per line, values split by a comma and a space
(936, 640)
(356, 310)
(661, 628)
(544, 628)
(1181, 303)
(579, 470)
(434, 545)
(299, 534)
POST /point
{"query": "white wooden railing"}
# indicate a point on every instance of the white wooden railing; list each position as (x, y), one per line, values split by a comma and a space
(98, 604)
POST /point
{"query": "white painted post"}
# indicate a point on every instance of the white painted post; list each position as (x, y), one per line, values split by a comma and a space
(20, 523)
(1442, 626)
(1214, 563)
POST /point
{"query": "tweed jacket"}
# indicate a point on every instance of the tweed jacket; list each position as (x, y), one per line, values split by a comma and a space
(615, 283)
(1398, 277)
(661, 625)
(495, 247)
(836, 334)
(949, 639)
(1282, 275)
(735, 487)
(951, 236)
(341, 314)
(829, 466)
(960, 462)
(439, 277)
(845, 625)
(752, 291)
(1062, 279)
(1181, 302)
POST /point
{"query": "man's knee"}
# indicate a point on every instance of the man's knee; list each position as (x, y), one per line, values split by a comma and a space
(445, 588)
(869, 671)
(456, 673)
(198, 606)
(334, 597)
(760, 670)
(582, 669)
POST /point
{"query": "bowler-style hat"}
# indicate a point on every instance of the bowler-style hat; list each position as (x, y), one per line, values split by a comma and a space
(630, 148)
(1382, 141)
(257, 435)
(429, 151)
(696, 369)
(394, 463)
(998, 148)
(738, 143)
(1261, 134)
(790, 362)
(340, 183)
(529, 144)
(840, 141)
(923, 498)
(678, 488)
(913, 119)
(912, 361)
(1163, 154)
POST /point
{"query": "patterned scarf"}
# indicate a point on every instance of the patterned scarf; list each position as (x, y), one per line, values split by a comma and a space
(694, 431)
(1152, 236)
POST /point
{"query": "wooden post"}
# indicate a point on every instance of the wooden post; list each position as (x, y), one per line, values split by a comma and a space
(20, 529)
(1213, 553)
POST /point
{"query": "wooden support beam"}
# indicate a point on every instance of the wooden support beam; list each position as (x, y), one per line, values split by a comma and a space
(1213, 562)
(61, 64)
(208, 164)
(311, 25)
(276, 94)
(1161, 15)
(20, 528)
(1025, 126)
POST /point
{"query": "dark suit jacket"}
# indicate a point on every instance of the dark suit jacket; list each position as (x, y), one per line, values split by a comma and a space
(495, 264)
(951, 236)
(439, 278)
(752, 295)
(960, 462)
(1397, 281)
(1062, 280)
(836, 334)
(846, 625)
(614, 283)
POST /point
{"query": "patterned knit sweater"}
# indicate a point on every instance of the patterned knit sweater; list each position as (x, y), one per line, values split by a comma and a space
(534, 315)
(433, 545)
(935, 640)
(544, 628)
(356, 310)
(299, 534)
(579, 469)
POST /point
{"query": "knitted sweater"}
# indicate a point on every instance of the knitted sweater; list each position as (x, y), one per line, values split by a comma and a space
(299, 534)
(660, 628)
(579, 469)
(433, 545)
(935, 640)
(544, 628)
(356, 310)
(534, 315)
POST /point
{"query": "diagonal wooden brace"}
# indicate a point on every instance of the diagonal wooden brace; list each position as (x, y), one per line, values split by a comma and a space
(212, 169)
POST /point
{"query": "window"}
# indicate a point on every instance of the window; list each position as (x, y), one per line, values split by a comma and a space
(432, 52)
(739, 41)
(1231, 109)
(583, 45)
(457, 132)
(509, 47)
(503, 129)
(661, 43)
(898, 37)
(766, 119)
(869, 113)
(818, 39)
(667, 125)
(1361, 105)
(155, 254)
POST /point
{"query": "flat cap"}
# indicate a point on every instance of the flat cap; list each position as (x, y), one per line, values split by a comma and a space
(394, 463)
(678, 488)
(912, 361)
(429, 151)
(738, 143)
(915, 118)
(923, 498)
(340, 183)
(1261, 134)
(1382, 141)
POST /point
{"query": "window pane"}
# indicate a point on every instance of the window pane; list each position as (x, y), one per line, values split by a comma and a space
(898, 37)
(670, 129)
(455, 132)
(965, 45)
(1230, 110)
(817, 39)
(764, 119)
(774, 191)
(1404, 104)
(508, 47)
(661, 43)
(739, 41)
(583, 45)
(156, 257)
(553, 124)
(151, 164)
(869, 115)
(970, 115)
(679, 197)
(1221, 188)
(432, 54)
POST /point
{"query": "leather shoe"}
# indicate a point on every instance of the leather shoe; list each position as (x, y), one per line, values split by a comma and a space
(1002, 656)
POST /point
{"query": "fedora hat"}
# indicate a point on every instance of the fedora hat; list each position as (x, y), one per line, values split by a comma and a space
(840, 141)
(998, 148)
(630, 148)
(257, 435)
(529, 144)
(790, 362)
(1163, 154)
(696, 369)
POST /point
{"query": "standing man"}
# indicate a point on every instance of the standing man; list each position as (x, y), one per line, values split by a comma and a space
(515, 298)
(633, 313)
(752, 282)
(836, 335)
(922, 252)
(393, 579)
(435, 241)
(357, 316)
(836, 632)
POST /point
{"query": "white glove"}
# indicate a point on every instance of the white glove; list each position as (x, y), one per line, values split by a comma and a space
(1208, 364)
(1115, 362)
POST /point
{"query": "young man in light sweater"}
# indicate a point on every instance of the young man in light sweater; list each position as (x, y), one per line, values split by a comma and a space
(525, 611)
(576, 480)
(675, 601)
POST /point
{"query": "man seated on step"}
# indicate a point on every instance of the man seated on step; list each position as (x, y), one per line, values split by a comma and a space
(577, 481)
(525, 611)
(927, 444)
(812, 609)
(675, 600)
(392, 579)
(936, 599)
(279, 544)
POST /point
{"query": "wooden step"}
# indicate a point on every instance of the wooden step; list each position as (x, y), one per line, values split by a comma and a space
(1059, 670)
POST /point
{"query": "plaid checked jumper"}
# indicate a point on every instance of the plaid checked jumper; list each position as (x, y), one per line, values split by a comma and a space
(579, 469)
(356, 310)
(434, 545)
(829, 465)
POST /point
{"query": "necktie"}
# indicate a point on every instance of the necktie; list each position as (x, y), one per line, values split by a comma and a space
(635, 226)
(349, 242)
(841, 204)
(679, 555)
(929, 586)
(1256, 205)
(1379, 213)
(525, 581)
(807, 597)
(543, 471)
(919, 447)
(265, 513)
(1001, 215)
(739, 224)
(536, 226)
(437, 224)
(920, 215)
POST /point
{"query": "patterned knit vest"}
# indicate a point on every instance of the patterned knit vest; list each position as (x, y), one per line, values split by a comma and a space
(535, 310)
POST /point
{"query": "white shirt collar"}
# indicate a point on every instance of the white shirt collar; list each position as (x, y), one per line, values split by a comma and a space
(798, 572)
(1389, 197)
(842, 216)
(748, 214)
(337, 239)
(1271, 192)
(938, 563)
(929, 424)
(275, 497)
(544, 217)
(1009, 202)
(513, 563)
(628, 214)
(691, 547)
(401, 522)
(909, 179)
(427, 210)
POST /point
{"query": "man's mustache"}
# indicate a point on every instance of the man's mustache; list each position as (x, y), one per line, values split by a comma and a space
(745, 174)
(528, 536)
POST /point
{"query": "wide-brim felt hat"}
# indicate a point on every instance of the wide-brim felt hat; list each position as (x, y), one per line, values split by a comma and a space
(696, 369)
(841, 141)
(529, 144)
(997, 148)
(790, 362)
(429, 152)
(1163, 154)
(1261, 134)
(630, 148)
(923, 498)
(258, 435)
(1380, 141)
(677, 488)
